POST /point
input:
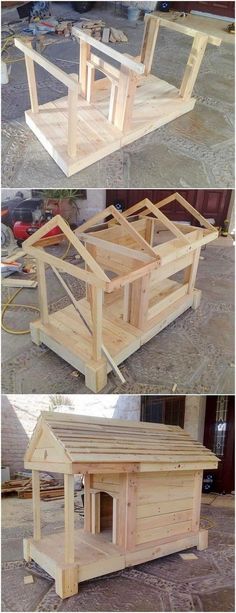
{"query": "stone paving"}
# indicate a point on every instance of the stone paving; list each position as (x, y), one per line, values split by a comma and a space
(167, 584)
(196, 150)
(196, 351)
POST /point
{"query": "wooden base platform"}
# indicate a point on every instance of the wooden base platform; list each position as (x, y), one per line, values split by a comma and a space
(96, 556)
(66, 335)
(156, 103)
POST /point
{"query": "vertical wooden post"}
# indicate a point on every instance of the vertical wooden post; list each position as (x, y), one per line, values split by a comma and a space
(84, 58)
(149, 41)
(193, 65)
(126, 302)
(90, 83)
(36, 504)
(29, 64)
(149, 230)
(139, 298)
(197, 498)
(114, 520)
(72, 121)
(191, 271)
(69, 519)
(42, 292)
(125, 99)
(131, 504)
(112, 103)
(96, 310)
(87, 503)
(95, 512)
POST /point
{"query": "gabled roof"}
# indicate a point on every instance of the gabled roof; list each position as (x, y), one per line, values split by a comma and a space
(70, 438)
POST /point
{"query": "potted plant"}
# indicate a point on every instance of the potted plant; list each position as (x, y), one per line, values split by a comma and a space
(62, 202)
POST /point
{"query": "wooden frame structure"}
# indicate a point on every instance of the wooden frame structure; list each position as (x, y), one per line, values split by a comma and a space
(100, 116)
(130, 293)
(152, 472)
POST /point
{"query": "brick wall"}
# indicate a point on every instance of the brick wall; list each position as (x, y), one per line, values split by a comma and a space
(20, 413)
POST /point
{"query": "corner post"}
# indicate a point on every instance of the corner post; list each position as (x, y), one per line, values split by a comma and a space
(125, 99)
(42, 291)
(193, 65)
(149, 41)
(69, 518)
(84, 58)
(36, 504)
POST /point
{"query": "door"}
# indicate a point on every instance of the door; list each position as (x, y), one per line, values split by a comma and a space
(212, 203)
(224, 9)
(219, 437)
(163, 409)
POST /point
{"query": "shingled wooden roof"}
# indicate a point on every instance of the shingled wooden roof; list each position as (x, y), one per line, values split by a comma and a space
(69, 438)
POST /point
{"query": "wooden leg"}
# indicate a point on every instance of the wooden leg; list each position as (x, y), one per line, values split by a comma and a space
(202, 540)
(125, 99)
(72, 122)
(42, 292)
(66, 582)
(90, 82)
(84, 58)
(29, 64)
(26, 550)
(149, 42)
(69, 518)
(96, 378)
(197, 294)
(193, 65)
(36, 504)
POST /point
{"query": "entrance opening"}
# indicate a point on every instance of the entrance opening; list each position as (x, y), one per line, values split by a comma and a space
(106, 515)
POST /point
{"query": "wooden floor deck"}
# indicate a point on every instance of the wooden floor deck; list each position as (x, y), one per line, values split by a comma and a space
(156, 103)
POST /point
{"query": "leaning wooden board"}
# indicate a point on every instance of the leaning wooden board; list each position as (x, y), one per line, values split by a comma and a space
(130, 293)
(142, 494)
(99, 117)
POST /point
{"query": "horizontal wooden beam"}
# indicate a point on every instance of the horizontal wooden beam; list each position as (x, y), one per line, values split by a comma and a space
(119, 57)
(56, 72)
(110, 71)
(115, 248)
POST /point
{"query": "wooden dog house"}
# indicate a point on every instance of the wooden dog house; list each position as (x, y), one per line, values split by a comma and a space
(142, 494)
(100, 116)
(131, 294)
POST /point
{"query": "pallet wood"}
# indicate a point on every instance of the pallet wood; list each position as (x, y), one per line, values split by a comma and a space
(130, 293)
(99, 117)
(132, 513)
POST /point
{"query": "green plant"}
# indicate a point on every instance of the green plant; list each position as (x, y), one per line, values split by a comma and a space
(58, 400)
(60, 194)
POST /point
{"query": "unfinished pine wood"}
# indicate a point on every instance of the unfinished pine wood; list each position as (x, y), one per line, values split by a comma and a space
(130, 295)
(134, 510)
(99, 117)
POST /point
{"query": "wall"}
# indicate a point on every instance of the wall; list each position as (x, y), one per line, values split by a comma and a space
(94, 203)
(20, 413)
(194, 419)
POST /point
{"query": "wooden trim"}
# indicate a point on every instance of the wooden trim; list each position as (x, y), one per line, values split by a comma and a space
(36, 504)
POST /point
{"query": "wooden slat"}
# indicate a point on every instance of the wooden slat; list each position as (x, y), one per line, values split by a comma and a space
(119, 57)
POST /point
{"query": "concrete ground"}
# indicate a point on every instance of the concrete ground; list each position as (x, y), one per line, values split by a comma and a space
(196, 351)
(196, 150)
(168, 584)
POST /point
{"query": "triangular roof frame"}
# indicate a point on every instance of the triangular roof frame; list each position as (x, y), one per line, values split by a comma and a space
(120, 219)
(58, 221)
(43, 427)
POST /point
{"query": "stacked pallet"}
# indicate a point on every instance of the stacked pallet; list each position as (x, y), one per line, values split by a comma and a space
(50, 488)
(99, 31)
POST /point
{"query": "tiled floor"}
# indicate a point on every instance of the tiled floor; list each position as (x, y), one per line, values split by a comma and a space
(168, 584)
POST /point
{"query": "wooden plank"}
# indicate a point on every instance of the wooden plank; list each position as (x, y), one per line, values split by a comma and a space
(72, 122)
(90, 83)
(119, 57)
(36, 504)
(115, 510)
(193, 65)
(139, 298)
(149, 230)
(143, 536)
(151, 29)
(197, 498)
(125, 99)
(84, 58)
(112, 103)
(29, 64)
(96, 311)
(56, 72)
(42, 291)
(171, 298)
(113, 247)
(131, 502)
(108, 69)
